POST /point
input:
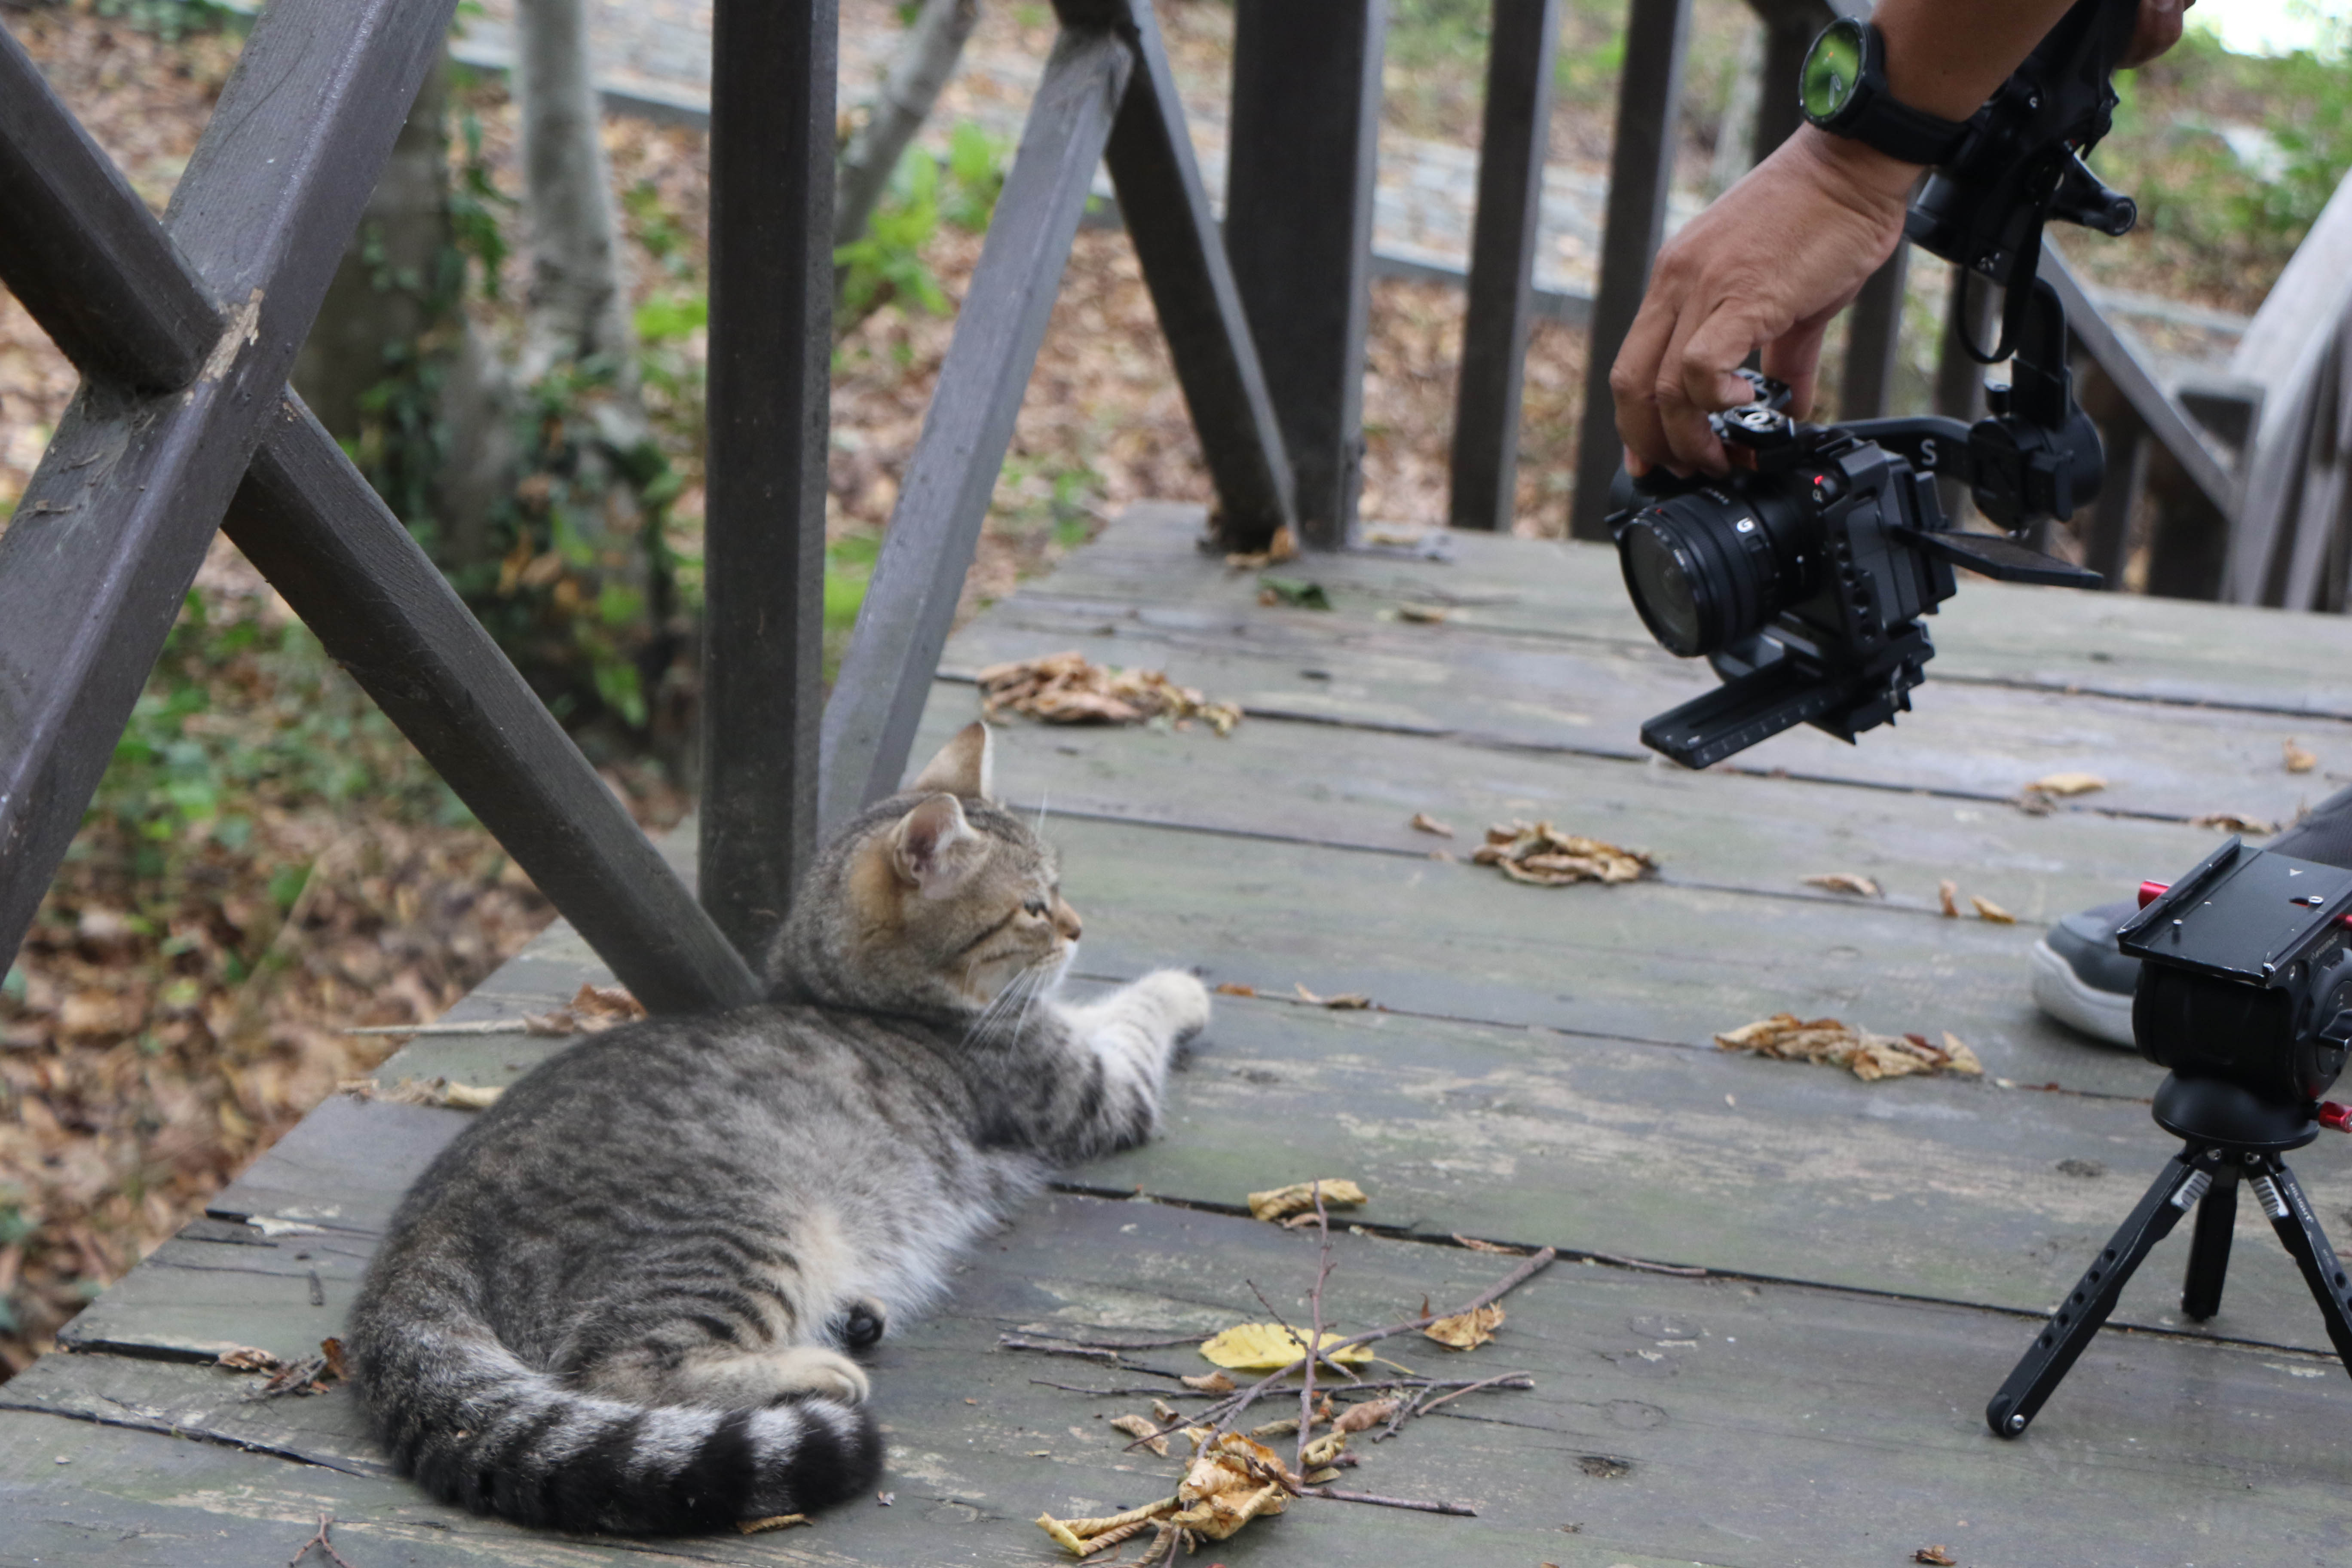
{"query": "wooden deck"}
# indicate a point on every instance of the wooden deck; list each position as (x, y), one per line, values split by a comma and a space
(1538, 1071)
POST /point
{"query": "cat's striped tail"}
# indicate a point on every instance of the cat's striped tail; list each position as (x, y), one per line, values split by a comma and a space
(474, 1425)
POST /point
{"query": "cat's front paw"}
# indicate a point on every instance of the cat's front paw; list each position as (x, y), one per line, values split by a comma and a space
(1178, 999)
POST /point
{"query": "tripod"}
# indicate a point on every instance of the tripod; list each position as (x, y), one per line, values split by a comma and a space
(2230, 1135)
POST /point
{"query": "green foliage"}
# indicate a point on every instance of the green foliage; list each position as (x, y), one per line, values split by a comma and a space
(2227, 218)
(188, 769)
(848, 567)
(885, 265)
(656, 228)
(475, 203)
(171, 20)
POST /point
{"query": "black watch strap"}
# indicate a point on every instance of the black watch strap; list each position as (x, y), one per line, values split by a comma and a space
(1902, 131)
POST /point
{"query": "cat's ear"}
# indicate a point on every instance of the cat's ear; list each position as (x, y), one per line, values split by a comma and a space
(933, 848)
(965, 765)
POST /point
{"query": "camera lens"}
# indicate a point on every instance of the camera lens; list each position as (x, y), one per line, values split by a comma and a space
(1708, 568)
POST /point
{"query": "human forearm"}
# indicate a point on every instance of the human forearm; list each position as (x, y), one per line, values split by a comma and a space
(1945, 58)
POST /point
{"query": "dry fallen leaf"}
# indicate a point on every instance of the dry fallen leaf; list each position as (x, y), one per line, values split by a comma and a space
(774, 1521)
(1344, 1002)
(1423, 822)
(1988, 911)
(1209, 1382)
(1370, 1413)
(1466, 1331)
(2068, 784)
(1843, 882)
(247, 1358)
(2234, 822)
(1540, 853)
(1065, 688)
(592, 1010)
(1282, 547)
(1279, 1203)
(1236, 988)
(1868, 1057)
(1231, 1481)
(1935, 1556)
(438, 1092)
(1136, 1426)
(1949, 892)
(1270, 1347)
(1474, 1245)
(1422, 614)
(2299, 761)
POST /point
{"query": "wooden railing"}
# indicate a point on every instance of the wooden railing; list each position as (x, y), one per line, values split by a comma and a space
(185, 332)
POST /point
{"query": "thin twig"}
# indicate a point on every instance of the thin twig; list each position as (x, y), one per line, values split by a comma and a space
(1406, 1412)
(1484, 1383)
(424, 1031)
(1679, 1271)
(1157, 1392)
(1118, 1344)
(1315, 1345)
(1418, 1505)
(1504, 1287)
(318, 1540)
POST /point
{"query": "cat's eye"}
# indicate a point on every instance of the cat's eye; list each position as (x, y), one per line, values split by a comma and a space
(1035, 907)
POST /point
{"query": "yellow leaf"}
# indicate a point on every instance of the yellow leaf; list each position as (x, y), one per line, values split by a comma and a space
(1279, 1203)
(2299, 761)
(2068, 784)
(1988, 911)
(1423, 823)
(1210, 1383)
(1948, 892)
(1270, 1347)
(1844, 882)
(774, 1521)
(1466, 1331)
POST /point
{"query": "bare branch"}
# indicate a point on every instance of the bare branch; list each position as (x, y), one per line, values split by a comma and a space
(1418, 1505)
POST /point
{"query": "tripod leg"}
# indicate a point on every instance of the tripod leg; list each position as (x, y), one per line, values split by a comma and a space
(2209, 1245)
(2177, 1188)
(2282, 1199)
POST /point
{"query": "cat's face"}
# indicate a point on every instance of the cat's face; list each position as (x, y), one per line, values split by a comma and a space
(952, 901)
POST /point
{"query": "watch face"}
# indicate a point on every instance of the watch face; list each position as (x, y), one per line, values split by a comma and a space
(1833, 68)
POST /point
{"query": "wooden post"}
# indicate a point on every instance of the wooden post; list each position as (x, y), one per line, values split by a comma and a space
(1658, 33)
(1789, 32)
(1193, 290)
(1517, 132)
(772, 189)
(1299, 228)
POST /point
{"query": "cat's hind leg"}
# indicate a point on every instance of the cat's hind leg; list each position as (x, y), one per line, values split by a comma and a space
(730, 1379)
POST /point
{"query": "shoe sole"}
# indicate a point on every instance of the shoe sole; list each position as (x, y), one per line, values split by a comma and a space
(2061, 992)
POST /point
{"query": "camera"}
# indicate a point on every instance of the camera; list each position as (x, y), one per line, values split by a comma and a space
(1804, 576)
(2246, 974)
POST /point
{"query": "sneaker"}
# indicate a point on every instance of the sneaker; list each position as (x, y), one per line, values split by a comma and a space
(2082, 978)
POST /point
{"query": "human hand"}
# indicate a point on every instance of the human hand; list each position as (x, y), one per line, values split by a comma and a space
(1765, 267)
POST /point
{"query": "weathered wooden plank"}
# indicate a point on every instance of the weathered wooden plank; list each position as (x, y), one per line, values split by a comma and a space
(1967, 739)
(2118, 645)
(114, 523)
(1301, 150)
(1166, 210)
(1360, 789)
(1694, 1402)
(772, 178)
(1641, 167)
(307, 518)
(1943, 1189)
(77, 247)
(885, 673)
(1483, 491)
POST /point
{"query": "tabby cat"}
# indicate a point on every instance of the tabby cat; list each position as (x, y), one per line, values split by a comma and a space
(623, 1298)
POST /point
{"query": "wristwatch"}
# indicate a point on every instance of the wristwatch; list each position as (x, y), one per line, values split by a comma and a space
(1844, 91)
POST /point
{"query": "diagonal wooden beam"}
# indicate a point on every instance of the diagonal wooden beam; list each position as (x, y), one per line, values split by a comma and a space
(308, 519)
(893, 651)
(1167, 214)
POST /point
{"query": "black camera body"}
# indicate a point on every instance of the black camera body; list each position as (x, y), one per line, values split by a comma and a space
(2246, 976)
(1802, 577)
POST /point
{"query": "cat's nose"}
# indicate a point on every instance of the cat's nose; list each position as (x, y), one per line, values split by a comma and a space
(1066, 921)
